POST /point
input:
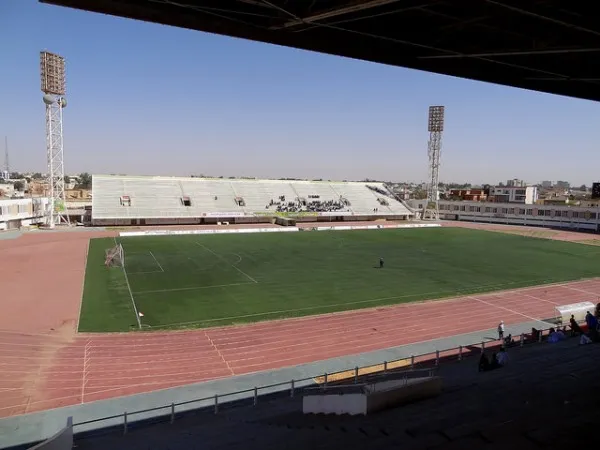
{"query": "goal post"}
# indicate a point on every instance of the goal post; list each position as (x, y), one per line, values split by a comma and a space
(115, 257)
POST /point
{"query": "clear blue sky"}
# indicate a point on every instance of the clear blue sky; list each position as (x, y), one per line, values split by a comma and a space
(149, 99)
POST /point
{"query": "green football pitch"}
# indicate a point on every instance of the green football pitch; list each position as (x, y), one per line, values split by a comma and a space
(211, 280)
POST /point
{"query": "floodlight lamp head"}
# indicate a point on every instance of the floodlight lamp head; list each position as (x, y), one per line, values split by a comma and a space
(52, 71)
(436, 119)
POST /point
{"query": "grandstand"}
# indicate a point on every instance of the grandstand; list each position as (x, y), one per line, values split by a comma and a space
(136, 200)
(551, 406)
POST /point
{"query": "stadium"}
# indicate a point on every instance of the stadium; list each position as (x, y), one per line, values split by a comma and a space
(248, 313)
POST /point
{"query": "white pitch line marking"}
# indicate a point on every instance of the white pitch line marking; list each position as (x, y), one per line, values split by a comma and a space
(227, 262)
(156, 261)
(512, 311)
(541, 299)
(192, 288)
(135, 310)
(457, 297)
(219, 352)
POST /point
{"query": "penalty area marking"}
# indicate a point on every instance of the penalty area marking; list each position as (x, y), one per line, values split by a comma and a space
(156, 261)
(227, 262)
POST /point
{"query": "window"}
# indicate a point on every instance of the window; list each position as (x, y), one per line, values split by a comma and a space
(564, 213)
(511, 210)
(488, 209)
(462, 207)
(592, 215)
(125, 200)
(530, 212)
(522, 211)
(504, 210)
(185, 201)
(495, 210)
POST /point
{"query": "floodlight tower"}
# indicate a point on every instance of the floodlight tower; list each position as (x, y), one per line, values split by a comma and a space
(6, 171)
(52, 70)
(435, 127)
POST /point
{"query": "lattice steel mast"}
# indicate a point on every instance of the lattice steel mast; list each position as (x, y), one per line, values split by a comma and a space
(435, 127)
(52, 69)
(6, 172)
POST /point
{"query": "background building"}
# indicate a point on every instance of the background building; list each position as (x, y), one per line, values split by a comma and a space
(513, 194)
(515, 182)
(472, 195)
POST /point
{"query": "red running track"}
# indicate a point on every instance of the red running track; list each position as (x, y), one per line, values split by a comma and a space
(42, 371)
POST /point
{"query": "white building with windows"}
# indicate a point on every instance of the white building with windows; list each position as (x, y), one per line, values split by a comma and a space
(527, 195)
(17, 213)
(551, 216)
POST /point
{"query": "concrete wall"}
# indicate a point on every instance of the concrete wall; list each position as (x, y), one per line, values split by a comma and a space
(397, 393)
(63, 440)
(375, 397)
(352, 404)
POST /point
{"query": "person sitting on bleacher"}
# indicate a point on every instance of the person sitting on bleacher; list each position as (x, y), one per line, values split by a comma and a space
(575, 328)
(556, 336)
(484, 363)
(592, 324)
(591, 321)
(502, 357)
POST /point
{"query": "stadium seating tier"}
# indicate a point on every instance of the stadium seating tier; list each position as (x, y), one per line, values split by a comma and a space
(165, 197)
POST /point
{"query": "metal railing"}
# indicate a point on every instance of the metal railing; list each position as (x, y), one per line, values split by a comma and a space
(359, 375)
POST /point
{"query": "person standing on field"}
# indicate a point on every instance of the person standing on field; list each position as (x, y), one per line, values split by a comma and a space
(501, 331)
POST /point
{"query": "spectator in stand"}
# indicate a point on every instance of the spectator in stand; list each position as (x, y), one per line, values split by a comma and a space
(501, 331)
(484, 363)
(556, 336)
(502, 357)
(494, 362)
(575, 328)
(591, 321)
(592, 324)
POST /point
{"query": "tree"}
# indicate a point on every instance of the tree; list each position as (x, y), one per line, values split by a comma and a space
(15, 176)
(419, 194)
(85, 181)
(37, 176)
(67, 179)
(19, 186)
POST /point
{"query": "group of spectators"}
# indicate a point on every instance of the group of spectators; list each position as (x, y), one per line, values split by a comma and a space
(591, 322)
(499, 359)
(314, 204)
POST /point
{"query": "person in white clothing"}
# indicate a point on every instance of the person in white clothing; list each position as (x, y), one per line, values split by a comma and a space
(501, 331)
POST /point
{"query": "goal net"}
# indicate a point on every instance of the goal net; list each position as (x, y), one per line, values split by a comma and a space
(115, 257)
